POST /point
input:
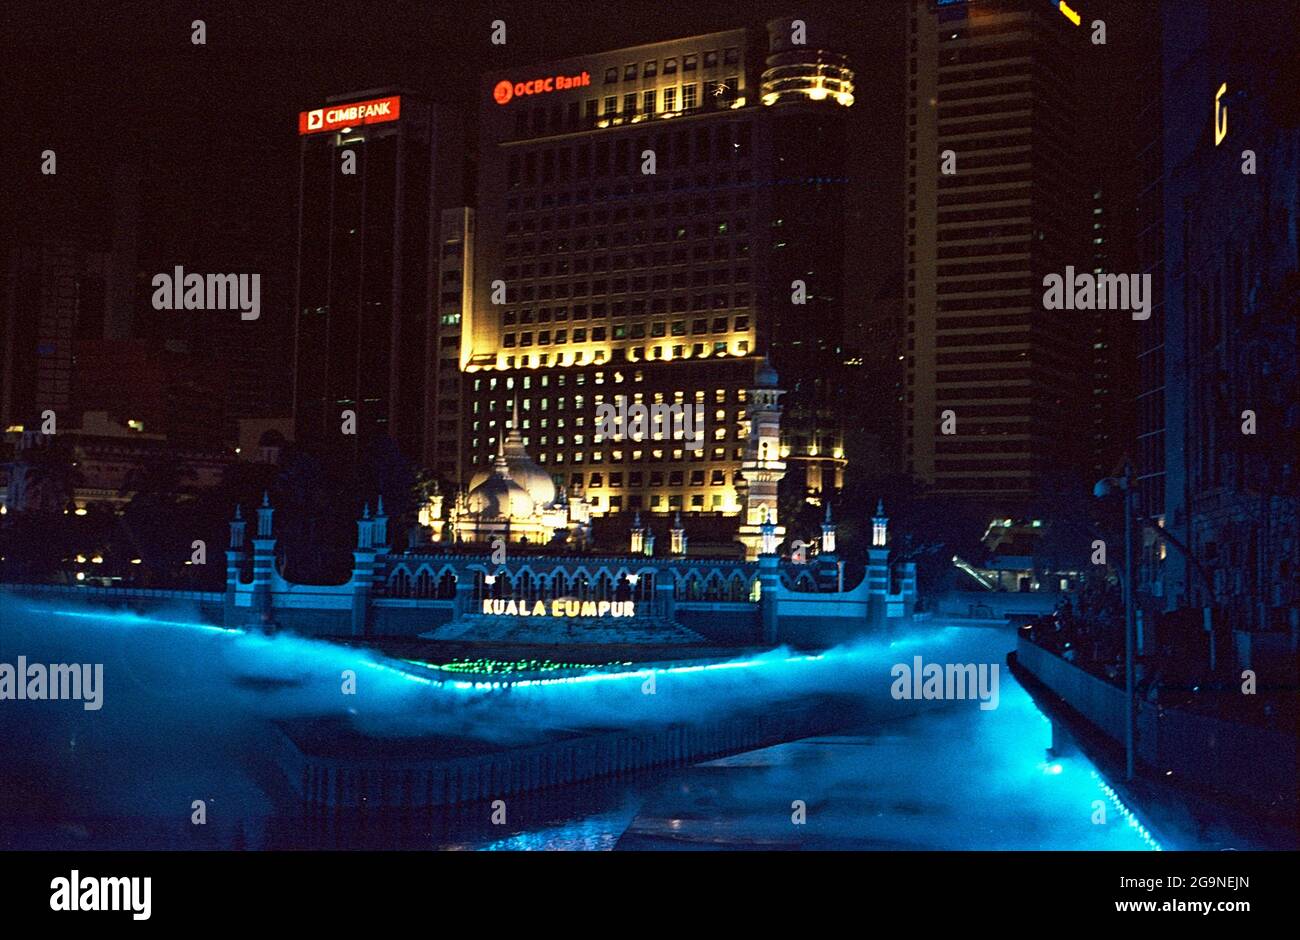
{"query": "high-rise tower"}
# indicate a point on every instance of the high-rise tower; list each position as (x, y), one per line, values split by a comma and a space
(642, 214)
(376, 168)
(995, 201)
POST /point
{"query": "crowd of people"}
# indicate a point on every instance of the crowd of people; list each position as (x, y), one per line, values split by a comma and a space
(1087, 630)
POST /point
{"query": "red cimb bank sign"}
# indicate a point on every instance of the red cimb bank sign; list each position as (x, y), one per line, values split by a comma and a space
(353, 114)
(504, 90)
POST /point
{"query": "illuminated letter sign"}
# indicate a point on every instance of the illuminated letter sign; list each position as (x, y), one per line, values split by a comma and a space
(560, 607)
(1220, 129)
(504, 91)
(333, 117)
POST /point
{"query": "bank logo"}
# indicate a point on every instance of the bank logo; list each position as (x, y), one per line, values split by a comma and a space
(347, 116)
(504, 91)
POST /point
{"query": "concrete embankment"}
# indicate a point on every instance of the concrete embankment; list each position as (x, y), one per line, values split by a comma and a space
(333, 768)
(1201, 782)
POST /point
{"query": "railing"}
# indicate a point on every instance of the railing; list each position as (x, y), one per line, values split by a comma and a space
(89, 590)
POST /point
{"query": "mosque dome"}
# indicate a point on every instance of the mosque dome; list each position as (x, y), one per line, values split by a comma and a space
(764, 375)
(498, 495)
(536, 482)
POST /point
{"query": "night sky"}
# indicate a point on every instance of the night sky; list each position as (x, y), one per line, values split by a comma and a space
(212, 130)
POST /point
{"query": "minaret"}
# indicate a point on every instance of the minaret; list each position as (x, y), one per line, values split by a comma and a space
(365, 528)
(878, 568)
(879, 525)
(638, 535)
(828, 532)
(677, 536)
(381, 525)
(235, 556)
(379, 539)
(363, 570)
(762, 468)
(769, 583)
(768, 530)
(263, 564)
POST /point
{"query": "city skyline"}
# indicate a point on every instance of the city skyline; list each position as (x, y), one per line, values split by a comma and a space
(834, 426)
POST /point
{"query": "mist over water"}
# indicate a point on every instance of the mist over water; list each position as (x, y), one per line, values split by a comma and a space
(187, 712)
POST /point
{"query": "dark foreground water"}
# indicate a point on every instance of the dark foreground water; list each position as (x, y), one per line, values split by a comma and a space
(184, 730)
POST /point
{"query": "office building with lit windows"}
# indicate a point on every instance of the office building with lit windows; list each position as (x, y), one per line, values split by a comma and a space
(377, 169)
(991, 82)
(641, 216)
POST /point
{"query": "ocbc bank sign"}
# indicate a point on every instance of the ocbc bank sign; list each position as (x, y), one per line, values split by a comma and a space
(505, 91)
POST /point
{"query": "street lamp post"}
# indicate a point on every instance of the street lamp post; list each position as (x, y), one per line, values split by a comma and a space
(1130, 633)
(1103, 488)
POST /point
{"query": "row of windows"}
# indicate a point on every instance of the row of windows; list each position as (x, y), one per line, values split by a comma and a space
(526, 382)
(578, 403)
(668, 99)
(636, 307)
(699, 326)
(528, 202)
(600, 241)
(657, 454)
(656, 478)
(719, 435)
(540, 120)
(638, 285)
(601, 263)
(657, 502)
(637, 213)
(730, 56)
(706, 143)
(624, 331)
(631, 354)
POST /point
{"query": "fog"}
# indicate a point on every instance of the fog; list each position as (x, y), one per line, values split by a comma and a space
(186, 712)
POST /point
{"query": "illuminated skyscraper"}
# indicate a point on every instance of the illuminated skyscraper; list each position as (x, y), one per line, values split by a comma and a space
(642, 215)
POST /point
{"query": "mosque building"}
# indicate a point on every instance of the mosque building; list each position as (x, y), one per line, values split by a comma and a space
(517, 501)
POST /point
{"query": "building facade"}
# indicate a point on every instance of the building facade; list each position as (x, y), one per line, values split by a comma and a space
(376, 169)
(52, 295)
(995, 201)
(630, 244)
(1219, 461)
(645, 595)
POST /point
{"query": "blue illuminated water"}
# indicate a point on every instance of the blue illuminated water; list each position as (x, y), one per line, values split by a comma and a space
(187, 709)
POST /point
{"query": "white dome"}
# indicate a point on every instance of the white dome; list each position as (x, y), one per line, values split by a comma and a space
(498, 498)
(536, 481)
